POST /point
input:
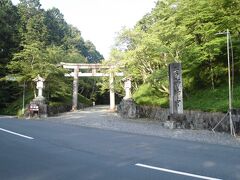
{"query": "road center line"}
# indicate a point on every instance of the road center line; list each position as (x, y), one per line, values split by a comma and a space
(176, 172)
(17, 134)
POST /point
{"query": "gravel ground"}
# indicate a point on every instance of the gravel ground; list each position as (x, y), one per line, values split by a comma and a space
(101, 117)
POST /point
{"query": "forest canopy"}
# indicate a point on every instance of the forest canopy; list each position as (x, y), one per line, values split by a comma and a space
(180, 31)
(34, 41)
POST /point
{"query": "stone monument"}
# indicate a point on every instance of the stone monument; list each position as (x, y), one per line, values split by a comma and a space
(175, 88)
(38, 106)
(176, 115)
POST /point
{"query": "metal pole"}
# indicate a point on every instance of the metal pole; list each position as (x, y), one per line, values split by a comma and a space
(23, 103)
(230, 87)
(229, 74)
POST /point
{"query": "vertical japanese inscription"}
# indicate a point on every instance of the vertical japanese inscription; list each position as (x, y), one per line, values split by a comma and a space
(175, 85)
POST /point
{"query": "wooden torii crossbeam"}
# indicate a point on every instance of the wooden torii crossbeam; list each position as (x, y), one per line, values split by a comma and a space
(95, 68)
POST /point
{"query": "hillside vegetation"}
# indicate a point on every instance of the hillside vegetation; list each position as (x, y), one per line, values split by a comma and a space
(187, 32)
(34, 41)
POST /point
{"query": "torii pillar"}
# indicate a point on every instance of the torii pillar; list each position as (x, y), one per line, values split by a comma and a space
(75, 89)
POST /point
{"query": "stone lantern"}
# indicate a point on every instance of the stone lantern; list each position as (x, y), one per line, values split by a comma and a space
(38, 106)
(127, 87)
(39, 85)
(127, 107)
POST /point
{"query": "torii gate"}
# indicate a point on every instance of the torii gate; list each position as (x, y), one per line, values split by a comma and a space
(94, 73)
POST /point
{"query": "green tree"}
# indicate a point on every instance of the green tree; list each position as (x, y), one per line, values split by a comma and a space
(56, 26)
(33, 27)
(9, 24)
(180, 31)
(35, 41)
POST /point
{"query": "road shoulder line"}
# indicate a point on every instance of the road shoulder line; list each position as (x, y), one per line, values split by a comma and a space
(17, 134)
(176, 172)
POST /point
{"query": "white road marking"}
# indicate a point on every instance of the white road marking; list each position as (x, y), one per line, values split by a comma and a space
(3, 117)
(176, 172)
(17, 134)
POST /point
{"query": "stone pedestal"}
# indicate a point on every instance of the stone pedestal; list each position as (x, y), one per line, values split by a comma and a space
(38, 108)
(128, 109)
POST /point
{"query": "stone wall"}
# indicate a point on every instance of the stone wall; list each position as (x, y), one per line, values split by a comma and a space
(188, 120)
(52, 110)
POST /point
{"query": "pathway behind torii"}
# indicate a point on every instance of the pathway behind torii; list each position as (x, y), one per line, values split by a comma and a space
(95, 71)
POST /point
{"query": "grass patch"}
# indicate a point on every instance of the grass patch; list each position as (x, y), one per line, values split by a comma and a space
(67, 100)
(146, 95)
(207, 100)
(212, 100)
(84, 100)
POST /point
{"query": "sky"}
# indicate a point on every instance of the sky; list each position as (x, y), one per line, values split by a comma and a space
(100, 20)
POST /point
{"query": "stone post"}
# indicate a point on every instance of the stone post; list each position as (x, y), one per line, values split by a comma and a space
(175, 88)
(112, 94)
(75, 89)
(127, 87)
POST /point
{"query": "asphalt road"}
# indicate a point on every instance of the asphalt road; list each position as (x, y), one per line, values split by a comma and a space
(36, 150)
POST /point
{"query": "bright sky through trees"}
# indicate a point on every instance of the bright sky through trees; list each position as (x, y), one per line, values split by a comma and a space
(99, 20)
